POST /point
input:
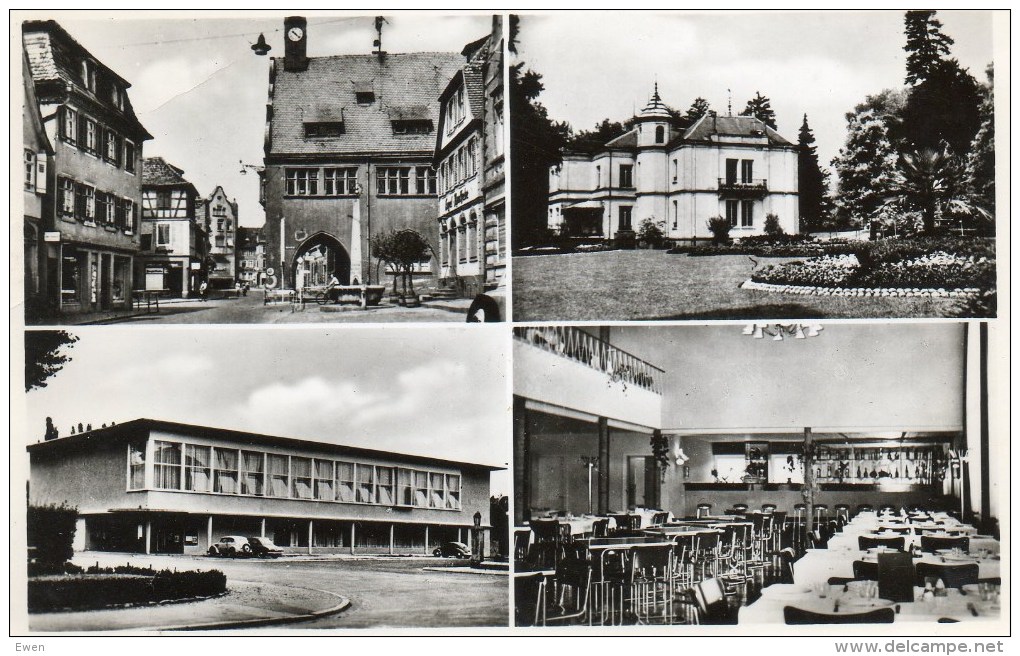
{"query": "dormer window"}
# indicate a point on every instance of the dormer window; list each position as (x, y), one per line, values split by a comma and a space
(88, 74)
(324, 129)
(116, 96)
(364, 92)
(412, 126)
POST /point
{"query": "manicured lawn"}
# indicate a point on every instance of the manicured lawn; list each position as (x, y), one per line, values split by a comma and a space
(622, 285)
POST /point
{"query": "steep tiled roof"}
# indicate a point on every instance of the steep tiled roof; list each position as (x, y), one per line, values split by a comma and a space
(399, 81)
(156, 172)
(54, 58)
(732, 125)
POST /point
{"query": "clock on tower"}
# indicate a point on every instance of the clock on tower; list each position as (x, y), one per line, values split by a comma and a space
(295, 29)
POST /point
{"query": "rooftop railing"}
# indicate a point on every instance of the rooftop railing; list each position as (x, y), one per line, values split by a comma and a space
(589, 350)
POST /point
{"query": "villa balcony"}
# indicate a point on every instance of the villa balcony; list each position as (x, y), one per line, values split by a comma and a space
(751, 188)
(569, 368)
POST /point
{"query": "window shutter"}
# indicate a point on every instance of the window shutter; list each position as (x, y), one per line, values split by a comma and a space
(40, 173)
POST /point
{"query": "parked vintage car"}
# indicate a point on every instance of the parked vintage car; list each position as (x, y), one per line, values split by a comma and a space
(231, 546)
(452, 550)
(264, 547)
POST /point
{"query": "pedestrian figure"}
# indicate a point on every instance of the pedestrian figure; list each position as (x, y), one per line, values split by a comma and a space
(202, 289)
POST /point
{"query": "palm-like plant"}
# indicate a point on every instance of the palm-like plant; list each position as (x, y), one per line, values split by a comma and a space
(933, 183)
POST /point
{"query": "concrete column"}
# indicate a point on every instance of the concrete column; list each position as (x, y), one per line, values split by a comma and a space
(356, 244)
(209, 533)
(352, 538)
(391, 539)
(460, 535)
(81, 538)
(426, 539)
(522, 463)
(603, 506)
(148, 536)
(311, 534)
(185, 279)
(262, 527)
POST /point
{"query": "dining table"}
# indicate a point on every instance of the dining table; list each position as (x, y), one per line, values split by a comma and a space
(818, 565)
(961, 605)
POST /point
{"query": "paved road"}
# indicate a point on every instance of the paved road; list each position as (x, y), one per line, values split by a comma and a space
(384, 592)
(250, 309)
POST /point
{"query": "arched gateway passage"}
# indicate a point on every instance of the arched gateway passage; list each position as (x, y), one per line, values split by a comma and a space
(321, 256)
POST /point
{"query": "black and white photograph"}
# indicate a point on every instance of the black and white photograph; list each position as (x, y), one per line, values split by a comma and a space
(310, 169)
(753, 165)
(284, 478)
(757, 475)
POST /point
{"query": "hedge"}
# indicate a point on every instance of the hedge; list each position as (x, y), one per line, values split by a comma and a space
(93, 591)
(50, 531)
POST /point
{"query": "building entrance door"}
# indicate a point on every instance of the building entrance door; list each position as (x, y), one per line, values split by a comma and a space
(167, 536)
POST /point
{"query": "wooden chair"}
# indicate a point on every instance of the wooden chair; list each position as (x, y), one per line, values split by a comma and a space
(953, 576)
(933, 543)
(794, 615)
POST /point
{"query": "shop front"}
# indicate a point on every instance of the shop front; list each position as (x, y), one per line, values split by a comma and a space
(93, 280)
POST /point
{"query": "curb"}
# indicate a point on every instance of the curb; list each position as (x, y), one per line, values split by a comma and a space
(914, 292)
(344, 604)
(454, 570)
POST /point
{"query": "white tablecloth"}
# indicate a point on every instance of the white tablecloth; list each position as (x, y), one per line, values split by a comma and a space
(818, 565)
(769, 609)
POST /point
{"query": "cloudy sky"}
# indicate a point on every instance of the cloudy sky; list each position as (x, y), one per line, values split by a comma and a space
(201, 92)
(428, 391)
(597, 65)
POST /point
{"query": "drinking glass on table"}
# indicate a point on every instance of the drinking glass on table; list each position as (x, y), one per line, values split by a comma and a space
(822, 589)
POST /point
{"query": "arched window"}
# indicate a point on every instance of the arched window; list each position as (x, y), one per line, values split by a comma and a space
(660, 134)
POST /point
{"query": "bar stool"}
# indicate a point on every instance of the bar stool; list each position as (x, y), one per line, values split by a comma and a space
(842, 513)
(740, 507)
(768, 507)
(704, 510)
(864, 507)
(799, 521)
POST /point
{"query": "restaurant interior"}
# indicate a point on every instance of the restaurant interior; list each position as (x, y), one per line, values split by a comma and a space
(756, 474)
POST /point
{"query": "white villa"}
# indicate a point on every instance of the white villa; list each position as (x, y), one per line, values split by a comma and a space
(731, 166)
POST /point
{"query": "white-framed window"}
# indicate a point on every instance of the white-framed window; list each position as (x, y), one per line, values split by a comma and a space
(366, 484)
(301, 477)
(626, 213)
(129, 215)
(453, 491)
(626, 175)
(90, 141)
(166, 462)
(302, 182)
(437, 490)
(163, 234)
(393, 181)
(65, 191)
(136, 466)
(421, 490)
(747, 171)
(252, 473)
(69, 125)
(323, 479)
(279, 475)
(227, 471)
(676, 215)
(472, 156)
(340, 181)
(197, 468)
(345, 481)
(88, 74)
(112, 148)
(746, 213)
(405, 487)
(425, 181)
(385, 486)
(732, 208)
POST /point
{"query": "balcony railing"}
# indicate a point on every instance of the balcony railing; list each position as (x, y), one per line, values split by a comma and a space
(750, 187)
(589, 350)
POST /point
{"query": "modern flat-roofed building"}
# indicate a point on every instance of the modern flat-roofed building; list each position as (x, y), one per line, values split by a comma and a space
(154, 486)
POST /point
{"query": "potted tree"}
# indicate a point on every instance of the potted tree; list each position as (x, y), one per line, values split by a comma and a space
(407, 250)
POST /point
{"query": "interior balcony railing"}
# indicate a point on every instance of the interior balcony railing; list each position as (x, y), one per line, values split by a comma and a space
(587, 349)
(743, 187)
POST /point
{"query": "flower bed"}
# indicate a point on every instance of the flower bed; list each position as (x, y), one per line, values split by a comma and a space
(103, 588)
(911, 266)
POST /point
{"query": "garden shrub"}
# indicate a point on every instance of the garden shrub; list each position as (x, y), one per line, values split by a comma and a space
(50, 530)
(720, 228)
(92, 591)
(772, 226)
